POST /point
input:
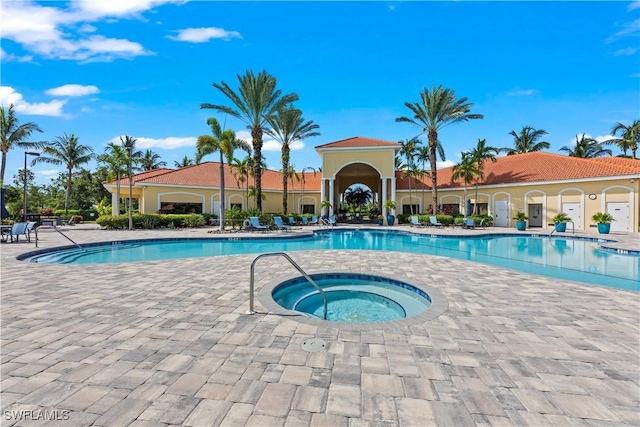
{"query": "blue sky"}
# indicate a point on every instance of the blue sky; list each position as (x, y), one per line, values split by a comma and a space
(103, 69)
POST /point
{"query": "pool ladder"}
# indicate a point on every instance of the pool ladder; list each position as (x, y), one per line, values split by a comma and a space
(573, 228)
(297, 267)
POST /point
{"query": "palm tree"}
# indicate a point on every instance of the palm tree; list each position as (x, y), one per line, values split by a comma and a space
(129, 144)
(411, 171)
(357, 196)
(437, 108)
(288, 126)
(422, 156)
(467, 170)
(291, 173)
(115, 160)
(586, 148)
(12, 133)
(408, 149)
(527, 141)
(151, 160)
(242, 169)
(257, 99)
(629, 138)
(185, 162)
(481, 153)
(67, 151)
(225, 142)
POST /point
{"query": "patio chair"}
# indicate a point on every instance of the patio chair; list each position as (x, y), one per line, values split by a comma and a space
(415, 222)
(314, 220)
(280, 225)
(305, 220)
(255, 224)
(433, 220)
(17, 229)
(469, 223)
(292, 221)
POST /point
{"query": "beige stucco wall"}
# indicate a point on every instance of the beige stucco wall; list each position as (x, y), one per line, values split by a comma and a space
(381, 159)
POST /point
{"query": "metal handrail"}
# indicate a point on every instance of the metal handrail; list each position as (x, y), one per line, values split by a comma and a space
(297, 267)
(573, 228)
(63, 235)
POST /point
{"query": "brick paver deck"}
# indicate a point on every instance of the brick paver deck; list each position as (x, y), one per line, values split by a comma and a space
(169, 343)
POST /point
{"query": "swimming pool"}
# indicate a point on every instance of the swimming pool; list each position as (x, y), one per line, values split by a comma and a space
(559, 257)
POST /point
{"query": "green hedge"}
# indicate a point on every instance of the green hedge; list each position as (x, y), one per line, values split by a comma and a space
(84, 213)
(150, 221)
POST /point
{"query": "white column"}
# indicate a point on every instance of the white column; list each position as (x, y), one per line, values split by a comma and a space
(331, 195)
(384, 197)
(115, 204)
(322, 195)
(393, 193)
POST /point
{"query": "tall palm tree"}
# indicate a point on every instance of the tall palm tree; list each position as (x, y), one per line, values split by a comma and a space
(436, 109)
(408, 149)
(12, 133)
(291, 174)
(357, 196)
(224, 142)
(151, 160)
(185, 162)
(65, 150)
(114, 158)
(527, 141)
(481, 153)
(467, 170)
(133, 158)
(257, 99)
(629, 137)
(242, 170)
(586, 148)
(288, 126)
(412, 171)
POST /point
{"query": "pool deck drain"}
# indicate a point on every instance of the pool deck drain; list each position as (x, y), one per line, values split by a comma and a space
(168, 343)
(314, 345)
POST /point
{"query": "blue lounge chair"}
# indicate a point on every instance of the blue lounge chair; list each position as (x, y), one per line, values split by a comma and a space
(314, 220)
(255, 224)
(280, 225)
(329, 221)
(305, 220)
(468, 223)
(17, 229)
(433, 220)
(415, 221)
(292, 221)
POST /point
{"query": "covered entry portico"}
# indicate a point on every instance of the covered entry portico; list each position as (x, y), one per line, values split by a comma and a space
(357, 160)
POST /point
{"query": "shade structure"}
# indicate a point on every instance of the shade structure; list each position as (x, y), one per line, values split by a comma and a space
(3, 210)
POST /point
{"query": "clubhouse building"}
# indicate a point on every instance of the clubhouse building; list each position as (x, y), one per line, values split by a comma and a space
(540, 184)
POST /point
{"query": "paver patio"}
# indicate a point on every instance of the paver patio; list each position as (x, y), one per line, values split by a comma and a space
(169, 343)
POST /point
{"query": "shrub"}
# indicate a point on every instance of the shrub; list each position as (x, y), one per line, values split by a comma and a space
(77, 219)
(194, 220)
(46, 212)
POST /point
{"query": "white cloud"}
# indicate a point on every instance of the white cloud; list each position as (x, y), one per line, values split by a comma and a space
(445, 164)
(51, 32)
(48, 172)
(627, 51)
(522, 92)
(10, 57)
(633, 5)
(8, 96)
(73, 90)
(630, 29)
(600, 139)
(201, 35)
(273, 145)
(169, 143)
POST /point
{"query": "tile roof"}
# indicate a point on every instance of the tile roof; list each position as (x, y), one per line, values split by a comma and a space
(541, 166)
(519, 168)
(207, 174)
(359, 141)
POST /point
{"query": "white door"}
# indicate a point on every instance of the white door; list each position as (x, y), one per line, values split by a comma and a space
(620, 213)
(501, 213)
(573, 210)
(216, 208)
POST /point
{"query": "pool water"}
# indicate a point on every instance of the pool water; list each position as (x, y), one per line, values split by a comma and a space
(564, 258)
(352, 297)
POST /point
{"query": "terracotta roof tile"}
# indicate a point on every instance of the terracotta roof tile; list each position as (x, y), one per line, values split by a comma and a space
(359, 141)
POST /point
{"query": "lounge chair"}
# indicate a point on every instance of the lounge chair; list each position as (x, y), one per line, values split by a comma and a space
(469, 223)
(292, 221)
(329, 221)
(433, 220)
(314, 220)
(415, 222)
(255, 224)
(280, 225)
(17, 229)
(305, 220)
